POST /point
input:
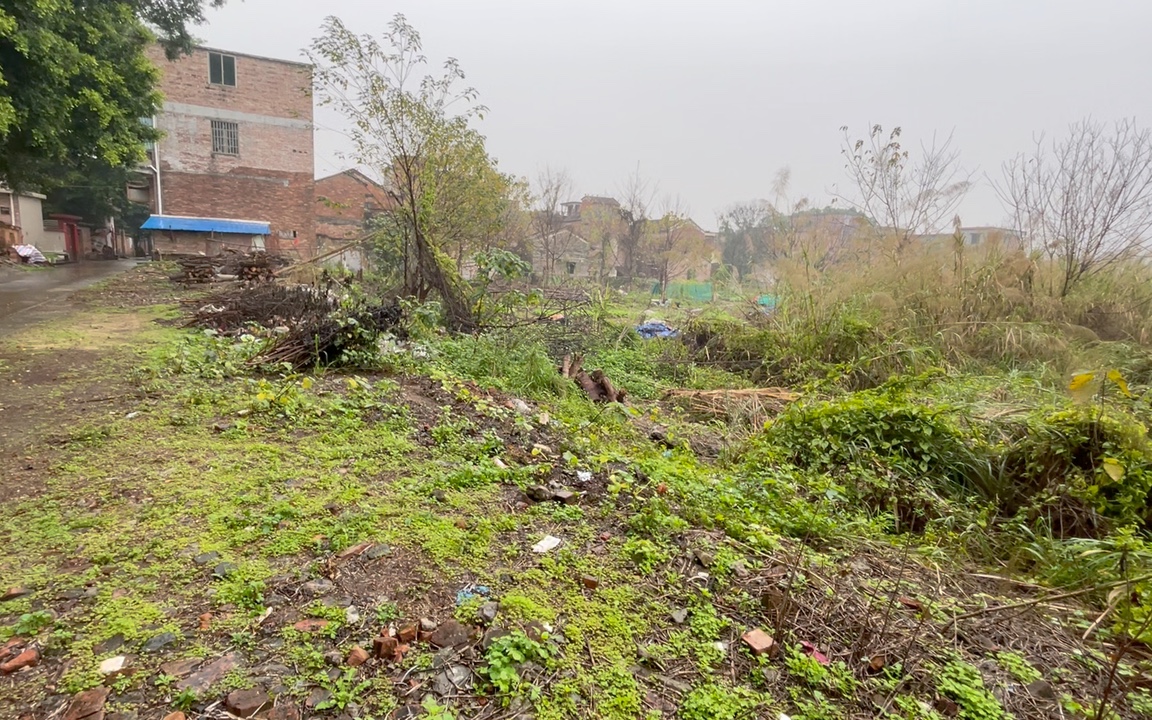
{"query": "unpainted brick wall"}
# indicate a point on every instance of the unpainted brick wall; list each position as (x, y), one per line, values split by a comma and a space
(272, 179)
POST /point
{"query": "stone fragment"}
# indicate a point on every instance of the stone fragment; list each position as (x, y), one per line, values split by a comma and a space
(566, 496)
(680, 616)
(211, 673)
(450, 634)
(319, 586)
(454, 679)
(589, 581)
(206, 558)
(539, 493)
(378, 551)
(246, 703)
(160, 642)
(12, 593)
(311, 625)
(224, 570)
(87, 705)
(427, 625)
(113, 665)
(284, 712)
(487, 612)
(180, 668)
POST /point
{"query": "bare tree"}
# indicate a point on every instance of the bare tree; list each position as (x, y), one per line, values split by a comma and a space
(636, 197)
(673, 244)
(906, 195)
(1084, 200)
(552, 187)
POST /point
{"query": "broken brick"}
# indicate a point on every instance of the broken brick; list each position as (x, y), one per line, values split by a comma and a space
(407, 633)
(760, 642)
(311, 625)
(384, 647)
(28, 658)
(357, 656)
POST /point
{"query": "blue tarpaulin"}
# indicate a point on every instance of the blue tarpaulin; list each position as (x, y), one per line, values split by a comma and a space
(217, 225)
(655, 329)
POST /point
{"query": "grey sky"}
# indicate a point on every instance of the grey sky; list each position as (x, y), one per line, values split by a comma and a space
(711, 99)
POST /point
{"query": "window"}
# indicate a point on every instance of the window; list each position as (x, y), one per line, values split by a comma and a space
(221, 69)
(148, 123)
(225, 138)
(570, 267)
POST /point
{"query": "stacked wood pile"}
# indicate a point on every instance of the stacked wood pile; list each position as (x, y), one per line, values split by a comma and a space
(596, 384)
(251, 267)
(196, 269)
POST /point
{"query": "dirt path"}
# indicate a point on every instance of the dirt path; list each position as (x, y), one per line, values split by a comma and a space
(66, 359)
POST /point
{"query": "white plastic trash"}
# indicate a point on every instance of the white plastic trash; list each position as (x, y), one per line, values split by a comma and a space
(549, 542)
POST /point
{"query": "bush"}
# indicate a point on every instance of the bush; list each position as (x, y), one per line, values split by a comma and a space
(897, 455)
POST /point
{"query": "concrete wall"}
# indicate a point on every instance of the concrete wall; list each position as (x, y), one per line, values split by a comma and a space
(30, 212)
(271, 179)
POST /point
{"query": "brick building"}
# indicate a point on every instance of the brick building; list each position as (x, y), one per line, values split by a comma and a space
(345, 202)
(237, 145)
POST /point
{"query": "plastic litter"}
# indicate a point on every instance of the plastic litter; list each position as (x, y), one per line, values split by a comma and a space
(810, 649)
(549, 542)
(470, 591)
(584, 476)
(655, 329)
(30, 254)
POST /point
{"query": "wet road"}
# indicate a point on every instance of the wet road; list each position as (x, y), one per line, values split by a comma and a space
(27, 296)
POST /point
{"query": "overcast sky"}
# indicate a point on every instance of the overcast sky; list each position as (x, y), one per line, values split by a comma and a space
(712, 99)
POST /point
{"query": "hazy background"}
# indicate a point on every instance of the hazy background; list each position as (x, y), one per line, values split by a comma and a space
(712, 99)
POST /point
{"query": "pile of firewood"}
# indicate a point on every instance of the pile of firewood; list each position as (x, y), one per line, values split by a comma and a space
(197, 269)
(596, 384)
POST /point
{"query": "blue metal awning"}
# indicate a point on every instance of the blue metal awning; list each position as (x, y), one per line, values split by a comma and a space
(217, 225)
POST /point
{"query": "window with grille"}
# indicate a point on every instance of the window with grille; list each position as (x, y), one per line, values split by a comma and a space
(225, 138)
(221, 69)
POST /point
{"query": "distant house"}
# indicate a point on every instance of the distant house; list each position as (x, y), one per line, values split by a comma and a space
(345, 203)
(702, 250)
(237, 146)
(977, 236)
(582, 243)
(563, 254)
(23, 216)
